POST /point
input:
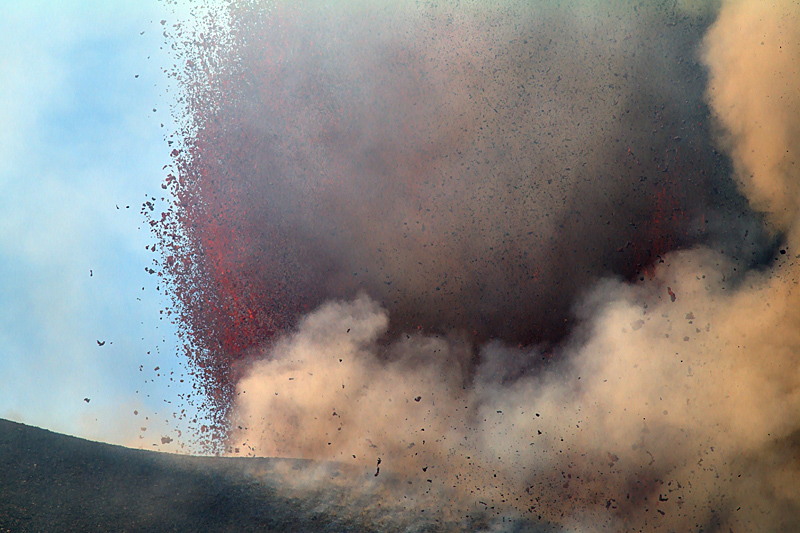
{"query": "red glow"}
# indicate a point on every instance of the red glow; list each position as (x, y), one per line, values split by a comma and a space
(226, 303)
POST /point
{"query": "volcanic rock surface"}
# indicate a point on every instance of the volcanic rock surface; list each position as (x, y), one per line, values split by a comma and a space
(54, 482)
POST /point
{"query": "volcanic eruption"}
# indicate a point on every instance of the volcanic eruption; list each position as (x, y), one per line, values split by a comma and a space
(536, 260)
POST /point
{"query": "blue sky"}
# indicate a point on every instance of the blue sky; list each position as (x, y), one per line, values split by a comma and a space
(80, 141)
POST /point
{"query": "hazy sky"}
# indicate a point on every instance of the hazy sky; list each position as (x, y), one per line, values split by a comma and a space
(82, 103)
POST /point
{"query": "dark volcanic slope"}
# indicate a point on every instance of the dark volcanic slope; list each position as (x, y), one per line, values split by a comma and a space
(52, 482)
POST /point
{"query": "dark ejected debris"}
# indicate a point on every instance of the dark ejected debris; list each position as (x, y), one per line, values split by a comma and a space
(418, 398)
(672, 296)
(101, 343)
(277, 210)
(87, 400)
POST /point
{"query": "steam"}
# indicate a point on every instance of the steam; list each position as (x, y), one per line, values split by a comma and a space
(671, 399)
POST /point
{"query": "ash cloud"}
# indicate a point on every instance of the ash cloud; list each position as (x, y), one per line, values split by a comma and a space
(658, 414)
(752, 56)
(471, 167)
(668, 400)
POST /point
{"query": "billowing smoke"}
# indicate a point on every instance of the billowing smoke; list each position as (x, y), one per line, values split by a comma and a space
(493, 254)
(752, 56)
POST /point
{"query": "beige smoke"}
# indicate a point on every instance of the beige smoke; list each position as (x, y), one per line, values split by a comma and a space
(666, 398)
(753, 55)
(675, 407)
